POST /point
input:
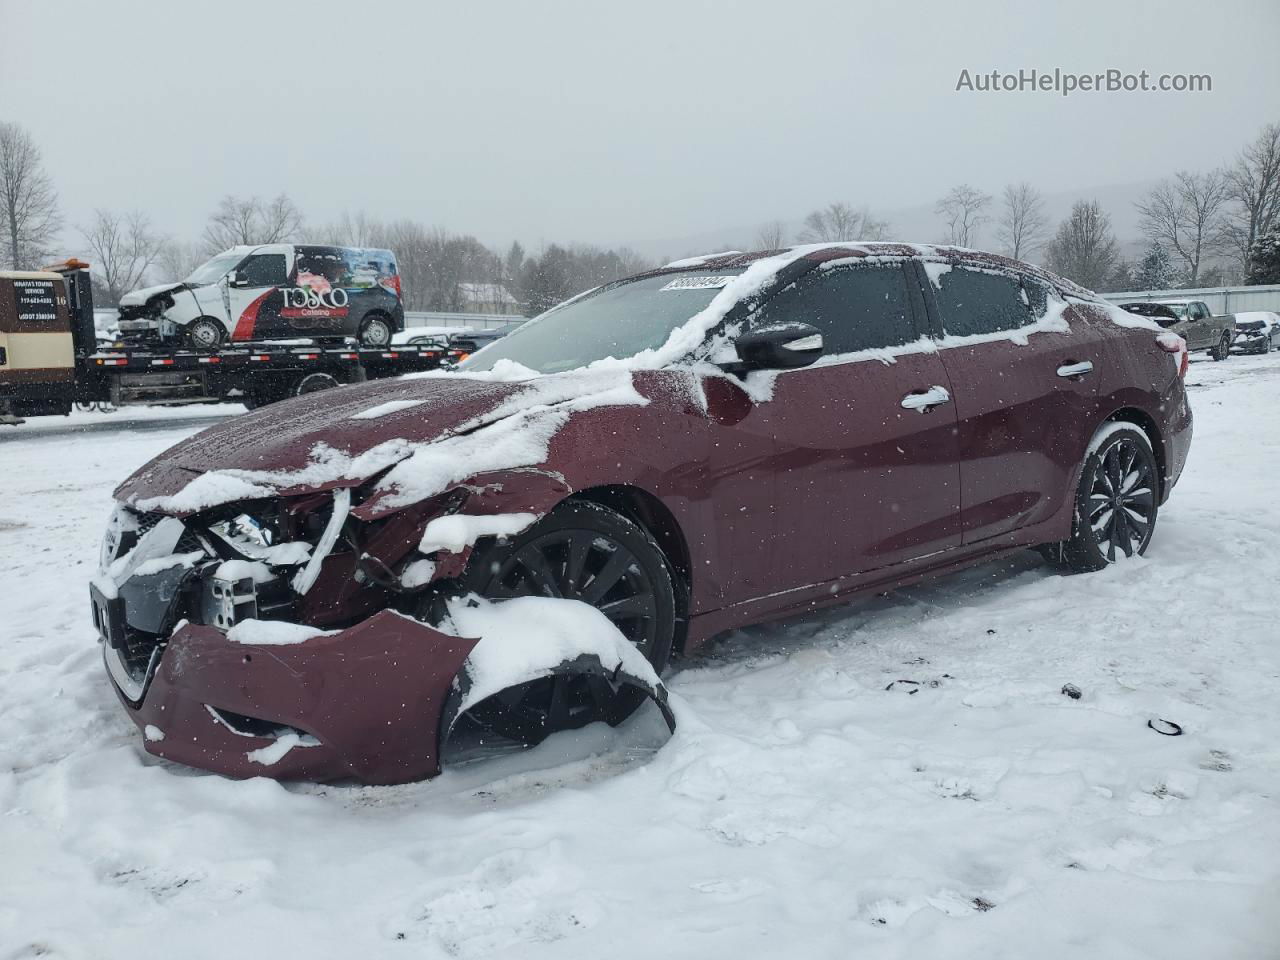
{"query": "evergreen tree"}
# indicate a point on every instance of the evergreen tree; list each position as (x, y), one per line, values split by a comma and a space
(1155, 270)
(1264, 260)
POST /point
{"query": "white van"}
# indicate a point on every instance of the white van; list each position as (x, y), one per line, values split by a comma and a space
(272, 292)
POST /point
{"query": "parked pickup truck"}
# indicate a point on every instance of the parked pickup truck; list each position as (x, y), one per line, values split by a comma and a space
(1193, 321)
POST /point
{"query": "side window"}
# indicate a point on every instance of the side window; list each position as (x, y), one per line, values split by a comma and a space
(973, 302)
(321, 266)
(855, 308)
(264, 270)
(1199, 311)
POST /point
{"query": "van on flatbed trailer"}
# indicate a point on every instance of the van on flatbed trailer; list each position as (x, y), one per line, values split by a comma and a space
(51, 358)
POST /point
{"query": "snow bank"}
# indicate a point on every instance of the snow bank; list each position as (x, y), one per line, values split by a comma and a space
(528, 637)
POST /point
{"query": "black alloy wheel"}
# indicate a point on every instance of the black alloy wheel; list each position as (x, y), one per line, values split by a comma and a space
(581, 551)
(1117, 503)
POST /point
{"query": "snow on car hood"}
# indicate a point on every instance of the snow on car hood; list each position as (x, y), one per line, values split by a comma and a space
(135, 298)
(424, 434)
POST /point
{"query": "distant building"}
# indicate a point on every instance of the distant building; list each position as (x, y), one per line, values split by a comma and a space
(490, 298)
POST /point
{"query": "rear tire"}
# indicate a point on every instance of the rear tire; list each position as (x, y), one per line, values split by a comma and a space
(205, 334)
(1116, 505)
(581, 551)
(376, 331)
(1223, 348)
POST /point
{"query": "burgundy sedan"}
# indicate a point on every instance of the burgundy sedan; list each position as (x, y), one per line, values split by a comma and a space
(727, 440)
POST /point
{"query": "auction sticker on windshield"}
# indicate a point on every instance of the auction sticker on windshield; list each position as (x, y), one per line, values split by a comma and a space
(699, 283)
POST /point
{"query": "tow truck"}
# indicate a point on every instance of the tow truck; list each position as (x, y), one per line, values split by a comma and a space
(51, 358)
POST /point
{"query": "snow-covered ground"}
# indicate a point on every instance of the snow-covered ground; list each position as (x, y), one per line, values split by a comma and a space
(808, 806)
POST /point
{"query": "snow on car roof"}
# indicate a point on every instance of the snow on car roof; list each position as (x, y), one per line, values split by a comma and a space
(877, 249)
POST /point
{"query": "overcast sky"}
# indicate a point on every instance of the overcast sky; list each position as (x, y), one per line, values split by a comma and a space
(640, 123)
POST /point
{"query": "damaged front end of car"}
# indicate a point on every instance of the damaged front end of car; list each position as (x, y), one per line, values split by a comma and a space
(306, 636)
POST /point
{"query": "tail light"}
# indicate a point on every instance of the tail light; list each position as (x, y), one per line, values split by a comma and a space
(1172, 343)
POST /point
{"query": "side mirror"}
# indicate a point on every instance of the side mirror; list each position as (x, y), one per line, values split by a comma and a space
(779, 346)
(236, 280)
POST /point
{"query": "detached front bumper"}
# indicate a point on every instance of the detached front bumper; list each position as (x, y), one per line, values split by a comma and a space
(1259, 340)
(365, 703)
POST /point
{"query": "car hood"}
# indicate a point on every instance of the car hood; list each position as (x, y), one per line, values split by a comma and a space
(302, 439)
(135, 298)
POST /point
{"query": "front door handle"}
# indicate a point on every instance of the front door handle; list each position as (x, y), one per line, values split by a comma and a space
(1076, 369)
(927, 399)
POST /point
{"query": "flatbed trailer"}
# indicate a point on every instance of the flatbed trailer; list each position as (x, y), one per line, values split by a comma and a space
(253, 373)
(48, 315)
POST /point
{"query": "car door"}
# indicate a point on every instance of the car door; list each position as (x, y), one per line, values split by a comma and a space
(253, 295)
(1202, 333)
(1025, 390)
(863, 443)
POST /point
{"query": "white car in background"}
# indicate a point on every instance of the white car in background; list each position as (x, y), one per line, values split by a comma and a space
(1257, 331)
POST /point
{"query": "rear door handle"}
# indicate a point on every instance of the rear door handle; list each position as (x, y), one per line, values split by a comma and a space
(927, 399)
(1076, 369)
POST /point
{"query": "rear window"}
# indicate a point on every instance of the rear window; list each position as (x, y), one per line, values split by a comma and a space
(973, 302)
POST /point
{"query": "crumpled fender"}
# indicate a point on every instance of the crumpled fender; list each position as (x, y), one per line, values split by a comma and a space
(525, 490)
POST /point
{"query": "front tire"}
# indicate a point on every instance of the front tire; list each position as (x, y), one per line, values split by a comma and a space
(587, 552)
(205, 333)
(1117, 502)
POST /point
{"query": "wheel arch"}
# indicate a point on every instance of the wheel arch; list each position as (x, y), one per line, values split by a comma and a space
(648, 511)
(1147, 424)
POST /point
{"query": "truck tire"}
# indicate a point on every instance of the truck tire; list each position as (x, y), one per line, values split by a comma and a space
(1222, 349)
(314, 382)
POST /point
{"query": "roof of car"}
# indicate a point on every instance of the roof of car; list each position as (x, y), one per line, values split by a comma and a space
(874, 249)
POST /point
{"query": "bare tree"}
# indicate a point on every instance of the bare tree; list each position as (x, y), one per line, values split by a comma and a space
(772, 235)
(964, 210)
(1022, 224)
(29, 202)
(1253, 185)
(176, 260)
(251, 221)
(1084, 249)
(355, 230)
(840, 221)
(123, 247)
(1185, 215)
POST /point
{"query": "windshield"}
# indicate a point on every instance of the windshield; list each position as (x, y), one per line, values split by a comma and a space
(619, 321)
(1179, 310)
(215, 269)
